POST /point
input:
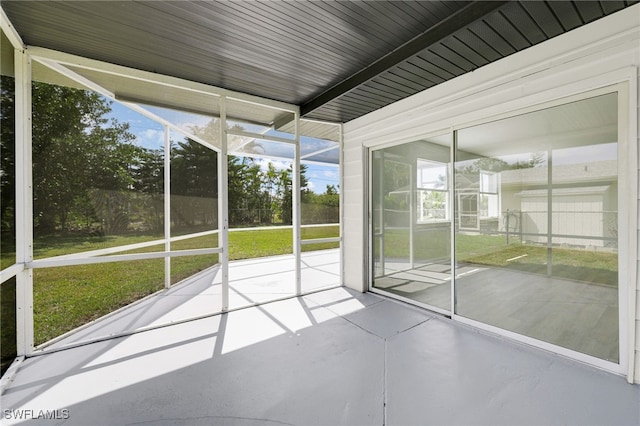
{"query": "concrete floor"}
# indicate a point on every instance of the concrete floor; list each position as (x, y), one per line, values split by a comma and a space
(251, 281)
(334, 357)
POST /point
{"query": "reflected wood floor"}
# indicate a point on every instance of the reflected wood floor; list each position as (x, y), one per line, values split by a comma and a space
(572, 314)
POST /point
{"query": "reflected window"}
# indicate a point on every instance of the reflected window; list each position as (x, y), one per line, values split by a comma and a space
(411, 224)
(468, 211)
(432, 192)
(489, 195)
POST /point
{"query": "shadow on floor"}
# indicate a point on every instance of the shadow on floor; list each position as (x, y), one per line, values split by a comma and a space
(335, 357)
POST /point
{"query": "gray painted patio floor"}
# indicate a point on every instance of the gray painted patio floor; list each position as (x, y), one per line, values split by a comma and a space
(251, 281)
(335, 357)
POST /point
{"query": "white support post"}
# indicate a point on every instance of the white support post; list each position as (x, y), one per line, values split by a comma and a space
(413, 176)
(452, 216)
(549, 212)
(341, 202)
(628, 131)
(167, 206)
(383, 231)
(24, 202)
(295, 206)
(223, 205)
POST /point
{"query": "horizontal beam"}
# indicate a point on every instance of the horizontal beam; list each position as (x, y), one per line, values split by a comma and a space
(146, 76)
(10, 272)
(145, 112)
(260, 136)
(52, 263)
(63, 70)
(445, 28)
(320, 151)
(321, 240)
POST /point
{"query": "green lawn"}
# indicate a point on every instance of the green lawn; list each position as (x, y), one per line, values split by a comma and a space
(598, 267)
(67, 297)
(581, 265)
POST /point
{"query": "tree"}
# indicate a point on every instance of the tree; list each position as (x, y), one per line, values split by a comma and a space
(74, 148)
(89, 174)
(194, 185)
(245, 190)
(330, 198)
(285, 195)
(7, 159)
(491, 164)
(84, 164)
(149, 180)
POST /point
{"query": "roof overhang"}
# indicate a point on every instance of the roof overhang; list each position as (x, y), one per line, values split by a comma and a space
(331, 61)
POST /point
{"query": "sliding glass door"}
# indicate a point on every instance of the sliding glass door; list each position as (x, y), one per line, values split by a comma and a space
(533, 200)
(543, 259)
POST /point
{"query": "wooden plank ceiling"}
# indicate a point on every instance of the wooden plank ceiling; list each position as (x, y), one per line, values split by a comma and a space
(338, 60)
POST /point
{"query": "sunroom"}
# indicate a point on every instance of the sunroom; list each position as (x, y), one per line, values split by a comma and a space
(169, 165)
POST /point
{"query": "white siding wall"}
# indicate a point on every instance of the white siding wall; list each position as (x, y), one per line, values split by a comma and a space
(596, 55)
(353, 223)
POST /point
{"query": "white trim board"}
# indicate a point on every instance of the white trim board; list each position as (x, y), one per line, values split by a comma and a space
(619, 31)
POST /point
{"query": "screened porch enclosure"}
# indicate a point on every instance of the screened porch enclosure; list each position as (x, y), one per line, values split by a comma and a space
(171, 162)
(181, 199)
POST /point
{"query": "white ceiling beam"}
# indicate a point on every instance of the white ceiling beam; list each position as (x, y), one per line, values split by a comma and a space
(316, 121)
(320, 151)
(10, 31)
(146, 76)
(63, 70)
(137, 108)
(260, 136)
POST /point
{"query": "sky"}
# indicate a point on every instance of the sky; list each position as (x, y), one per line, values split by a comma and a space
(150, 134)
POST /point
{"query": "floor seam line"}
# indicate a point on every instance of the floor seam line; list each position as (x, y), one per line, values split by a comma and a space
(384, 384)
(415, 325)
(362, 328)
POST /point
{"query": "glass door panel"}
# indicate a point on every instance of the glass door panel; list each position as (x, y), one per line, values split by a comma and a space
(538, 255)
(411, 222)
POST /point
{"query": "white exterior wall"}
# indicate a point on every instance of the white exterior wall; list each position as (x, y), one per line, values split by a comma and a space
(353, 223)
(596, 55)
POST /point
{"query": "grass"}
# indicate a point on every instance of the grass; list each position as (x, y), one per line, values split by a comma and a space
(580, 265)
(436, 244)
(67, 297)
(598, 267)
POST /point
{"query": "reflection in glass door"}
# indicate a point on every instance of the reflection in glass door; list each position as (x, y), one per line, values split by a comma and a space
(468, 210)
(411, 222)
(541, 255)
(534, 203)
